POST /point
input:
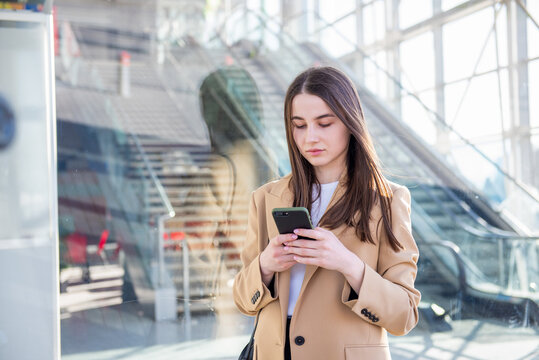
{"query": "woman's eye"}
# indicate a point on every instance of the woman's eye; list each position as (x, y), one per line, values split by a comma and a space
(325, 125)
(297, 126)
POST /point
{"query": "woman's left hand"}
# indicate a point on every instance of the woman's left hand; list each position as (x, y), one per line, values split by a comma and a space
(326, 251)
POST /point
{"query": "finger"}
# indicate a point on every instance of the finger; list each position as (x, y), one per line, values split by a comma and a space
(287, 262)
(306, 260)
(309, 244)
(284, 257)
(288, 266)
(280, 239)
(301, 251)
(310, 233)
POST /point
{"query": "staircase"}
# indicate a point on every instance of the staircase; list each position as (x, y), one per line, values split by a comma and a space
(197, 184)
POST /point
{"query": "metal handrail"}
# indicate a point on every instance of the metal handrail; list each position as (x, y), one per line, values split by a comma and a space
(160, 189)
(455, 251)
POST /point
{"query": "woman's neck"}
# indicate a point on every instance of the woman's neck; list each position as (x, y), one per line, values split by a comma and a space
(326, 176)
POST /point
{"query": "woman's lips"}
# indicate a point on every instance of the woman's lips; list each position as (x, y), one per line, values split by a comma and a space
(315, 152)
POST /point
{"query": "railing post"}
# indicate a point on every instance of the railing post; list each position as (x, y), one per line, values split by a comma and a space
(165, 292)
(125, 81)
(161, 250)
(186, 294)
(501, 264)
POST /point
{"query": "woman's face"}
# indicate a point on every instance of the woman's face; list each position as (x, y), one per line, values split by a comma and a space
(321, 137)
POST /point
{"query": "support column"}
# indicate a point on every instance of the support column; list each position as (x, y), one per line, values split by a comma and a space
(393, 53)
(358, 61)
(442, 136)
(296, 26)
(520, 139)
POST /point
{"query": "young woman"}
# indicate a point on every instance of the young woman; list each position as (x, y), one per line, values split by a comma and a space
(335, 297)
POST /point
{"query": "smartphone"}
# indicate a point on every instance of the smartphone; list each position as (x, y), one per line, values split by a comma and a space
(289, 219)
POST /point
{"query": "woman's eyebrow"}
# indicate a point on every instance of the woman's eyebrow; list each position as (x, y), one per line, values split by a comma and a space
(316, 118)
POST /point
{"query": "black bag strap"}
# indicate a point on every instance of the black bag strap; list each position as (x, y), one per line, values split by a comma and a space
(248, 351)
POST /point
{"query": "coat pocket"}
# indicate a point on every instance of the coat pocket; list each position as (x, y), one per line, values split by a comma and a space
(370, 352)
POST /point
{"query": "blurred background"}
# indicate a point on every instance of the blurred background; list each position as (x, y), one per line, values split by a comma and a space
(132, 133)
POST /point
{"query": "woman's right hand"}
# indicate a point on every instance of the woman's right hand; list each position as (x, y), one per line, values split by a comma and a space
(274, 259)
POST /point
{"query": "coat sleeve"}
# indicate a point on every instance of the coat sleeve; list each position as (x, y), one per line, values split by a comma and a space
(250, 293)
(387, 297)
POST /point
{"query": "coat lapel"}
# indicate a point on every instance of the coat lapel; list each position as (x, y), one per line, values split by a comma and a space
(278, 198)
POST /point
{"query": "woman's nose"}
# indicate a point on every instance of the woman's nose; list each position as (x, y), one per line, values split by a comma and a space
(312, 134)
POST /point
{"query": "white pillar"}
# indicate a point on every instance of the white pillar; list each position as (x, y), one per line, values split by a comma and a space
(296, 26)
(359, 66)
(442, 136)
(29, 288)
(393, 52)
(521, 149)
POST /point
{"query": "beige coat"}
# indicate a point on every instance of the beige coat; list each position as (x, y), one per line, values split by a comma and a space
(332, 326)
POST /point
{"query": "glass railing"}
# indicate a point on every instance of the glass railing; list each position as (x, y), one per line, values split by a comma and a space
(129, 226)
(289, 58)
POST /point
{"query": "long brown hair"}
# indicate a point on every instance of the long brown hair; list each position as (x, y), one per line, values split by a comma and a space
(365, 183)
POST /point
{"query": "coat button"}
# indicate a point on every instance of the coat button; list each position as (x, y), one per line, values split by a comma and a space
(364, 311)
(299, 340)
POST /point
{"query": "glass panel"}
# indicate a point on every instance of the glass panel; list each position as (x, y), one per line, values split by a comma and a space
(330, 12)
(334, 41)
(374, 77)
(369, 23)
(463, 41)
(533, 89)
(272, 8)
(414, 114)
(379, 19)
(412, 12)
(533, 30)
(503, 90)
(501, 34)
(474, 108)
(418, 71)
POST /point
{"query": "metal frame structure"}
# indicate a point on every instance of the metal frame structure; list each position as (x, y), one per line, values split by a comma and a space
(519, 155)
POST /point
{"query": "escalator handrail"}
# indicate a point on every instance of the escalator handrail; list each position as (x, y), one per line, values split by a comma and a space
(464, 284)
(455, 251)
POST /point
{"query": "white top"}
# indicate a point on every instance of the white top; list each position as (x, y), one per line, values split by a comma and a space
(297, 272)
